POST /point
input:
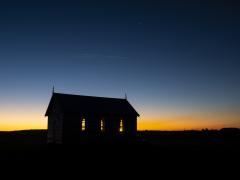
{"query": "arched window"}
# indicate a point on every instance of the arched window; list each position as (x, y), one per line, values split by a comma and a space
(102, 125)
(121, 128)
(83, 124)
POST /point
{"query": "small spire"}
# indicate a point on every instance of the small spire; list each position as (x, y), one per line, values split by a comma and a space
(53, 90)
(126, 96)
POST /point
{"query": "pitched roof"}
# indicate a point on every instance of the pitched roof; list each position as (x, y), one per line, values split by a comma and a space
(90, 104)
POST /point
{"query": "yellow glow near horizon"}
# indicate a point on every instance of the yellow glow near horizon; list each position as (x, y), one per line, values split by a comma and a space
(26, 118)
(189, 122)
(21, 120)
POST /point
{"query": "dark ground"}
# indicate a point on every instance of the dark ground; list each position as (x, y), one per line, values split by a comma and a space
(155, 153)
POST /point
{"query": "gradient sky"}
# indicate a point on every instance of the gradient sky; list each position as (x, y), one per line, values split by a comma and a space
(178, 61)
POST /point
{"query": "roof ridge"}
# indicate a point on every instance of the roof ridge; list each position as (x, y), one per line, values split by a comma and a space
(89, 96)
(73, 103)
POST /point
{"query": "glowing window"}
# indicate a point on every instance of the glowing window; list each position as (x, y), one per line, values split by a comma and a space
(102, 125)
(83, 124)
(121, 126)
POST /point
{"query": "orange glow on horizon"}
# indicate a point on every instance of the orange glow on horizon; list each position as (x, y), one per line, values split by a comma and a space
(23, 119)
(175, 123)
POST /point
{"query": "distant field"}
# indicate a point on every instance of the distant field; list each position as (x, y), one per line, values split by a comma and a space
(160, 151)
(225, 138)
(25, 138)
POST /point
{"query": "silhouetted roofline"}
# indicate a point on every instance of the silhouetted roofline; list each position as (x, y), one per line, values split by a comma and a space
(89, 96)
(115, 100)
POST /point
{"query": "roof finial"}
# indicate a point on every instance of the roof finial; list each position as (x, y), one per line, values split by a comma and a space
(53, 90)
(126, 96)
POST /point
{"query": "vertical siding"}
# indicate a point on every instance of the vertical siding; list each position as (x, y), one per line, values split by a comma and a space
(50, 132)
(93, 124)
(71, 128)
(130, 125)
(58, 128)
(67, 128)
(55, 126)
(112, 125)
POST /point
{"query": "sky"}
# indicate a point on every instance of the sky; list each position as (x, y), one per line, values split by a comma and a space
(178, 61)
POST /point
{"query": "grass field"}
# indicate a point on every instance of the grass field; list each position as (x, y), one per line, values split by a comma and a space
(153, 151)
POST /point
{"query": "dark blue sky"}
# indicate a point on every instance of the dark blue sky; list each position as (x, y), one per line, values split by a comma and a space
(170, 57)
